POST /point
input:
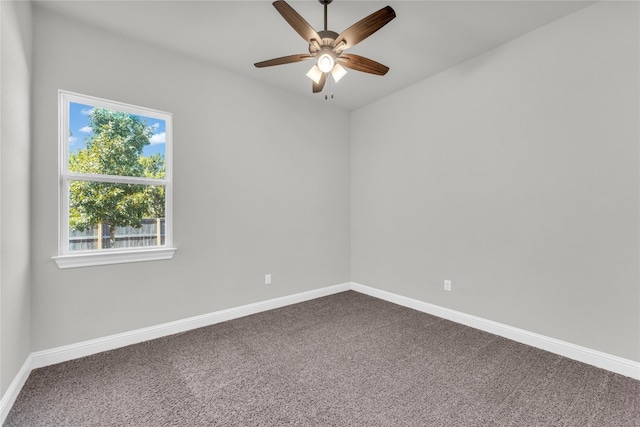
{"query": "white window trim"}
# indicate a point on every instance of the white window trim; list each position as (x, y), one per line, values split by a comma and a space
(73, 259)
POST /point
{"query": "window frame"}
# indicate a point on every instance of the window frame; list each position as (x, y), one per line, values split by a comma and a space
(83, 258)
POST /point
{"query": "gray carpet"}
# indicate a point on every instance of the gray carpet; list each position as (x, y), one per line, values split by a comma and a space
(343, 360)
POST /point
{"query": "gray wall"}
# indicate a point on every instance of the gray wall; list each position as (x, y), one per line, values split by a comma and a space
(516, 176)
(257, 189)
(15, 299)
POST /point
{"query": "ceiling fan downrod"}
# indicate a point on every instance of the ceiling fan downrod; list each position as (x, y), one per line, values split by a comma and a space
(325, 3)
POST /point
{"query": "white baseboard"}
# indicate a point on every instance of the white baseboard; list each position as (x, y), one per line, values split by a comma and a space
(602, 360)
(12, 392)
(86, 348)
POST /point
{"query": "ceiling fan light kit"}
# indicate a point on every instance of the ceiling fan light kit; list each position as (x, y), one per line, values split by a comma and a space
(326, 47)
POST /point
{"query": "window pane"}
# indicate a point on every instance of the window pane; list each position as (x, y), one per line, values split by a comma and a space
(107, 215)
(110, 142)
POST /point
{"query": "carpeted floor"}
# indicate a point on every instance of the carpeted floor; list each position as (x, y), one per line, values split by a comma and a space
(343, 360)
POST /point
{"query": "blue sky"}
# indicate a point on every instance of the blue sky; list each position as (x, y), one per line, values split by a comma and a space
(80, 130)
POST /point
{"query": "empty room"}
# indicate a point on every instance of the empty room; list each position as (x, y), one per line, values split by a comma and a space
(319, 213)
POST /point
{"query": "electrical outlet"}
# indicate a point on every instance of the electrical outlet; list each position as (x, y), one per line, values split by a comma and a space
(447, 285)
(267, 279)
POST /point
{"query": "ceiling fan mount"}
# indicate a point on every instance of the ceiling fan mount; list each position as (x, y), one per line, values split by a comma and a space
(327, 46)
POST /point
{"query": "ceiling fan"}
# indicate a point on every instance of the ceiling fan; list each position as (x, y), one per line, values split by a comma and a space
(327, 47)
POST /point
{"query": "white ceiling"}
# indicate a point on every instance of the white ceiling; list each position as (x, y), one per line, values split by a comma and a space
(425, 38)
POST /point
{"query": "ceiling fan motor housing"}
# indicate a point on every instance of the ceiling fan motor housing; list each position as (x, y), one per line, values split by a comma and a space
(326, 41)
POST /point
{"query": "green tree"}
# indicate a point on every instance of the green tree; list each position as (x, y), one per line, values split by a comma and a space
(114, 148)
(154, 167)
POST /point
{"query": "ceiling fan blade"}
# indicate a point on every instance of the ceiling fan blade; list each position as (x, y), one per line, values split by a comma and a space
(317, 87)
(360, 63)
(365, 27)
(282, 60)
(296, 21)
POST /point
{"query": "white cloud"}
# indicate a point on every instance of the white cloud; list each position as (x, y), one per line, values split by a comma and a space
(86, 129)
(158, 138)
(72, 140)
(154, 127)
(86, 111)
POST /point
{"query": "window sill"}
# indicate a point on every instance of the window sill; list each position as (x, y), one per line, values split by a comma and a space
(115, 257)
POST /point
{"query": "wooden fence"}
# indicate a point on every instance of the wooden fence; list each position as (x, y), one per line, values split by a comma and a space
(151, 233)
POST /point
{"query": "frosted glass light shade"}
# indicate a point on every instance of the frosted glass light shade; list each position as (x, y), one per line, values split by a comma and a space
(325, 63)
(338, 72)
(315, 74)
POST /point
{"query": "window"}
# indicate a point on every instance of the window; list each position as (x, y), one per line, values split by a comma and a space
(115, 182)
